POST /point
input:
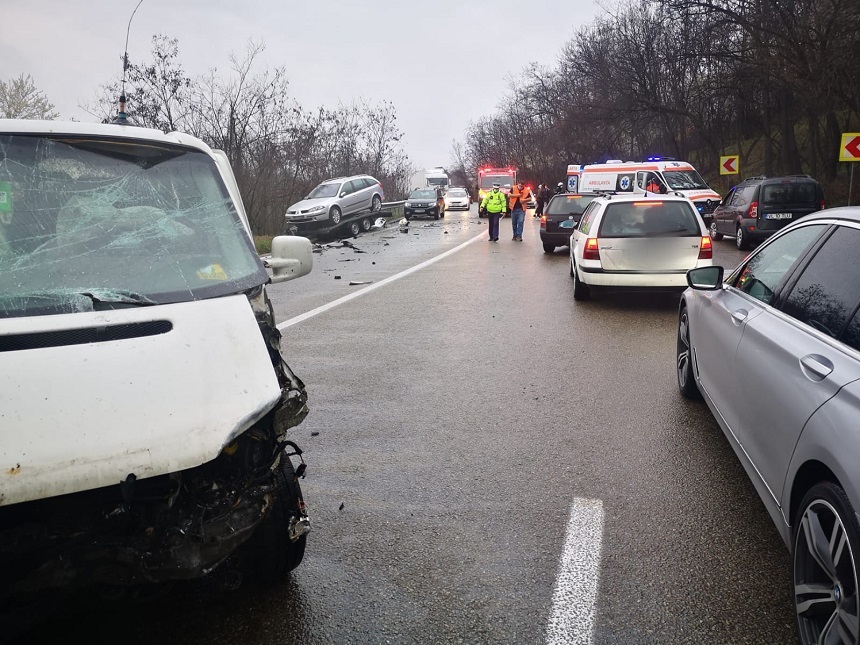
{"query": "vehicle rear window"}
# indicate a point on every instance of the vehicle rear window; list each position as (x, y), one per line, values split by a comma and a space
(650, 219)
(568, 205)
(794, 192)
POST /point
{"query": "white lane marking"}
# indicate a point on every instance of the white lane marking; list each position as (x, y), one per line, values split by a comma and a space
(355, 294)
(571, 620)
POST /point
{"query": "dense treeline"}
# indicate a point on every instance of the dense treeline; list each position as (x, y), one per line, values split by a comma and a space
(775, 81)
(279, 150)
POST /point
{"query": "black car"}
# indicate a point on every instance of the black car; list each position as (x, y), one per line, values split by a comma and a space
(560, 216)
(425, 202)
(758, 207)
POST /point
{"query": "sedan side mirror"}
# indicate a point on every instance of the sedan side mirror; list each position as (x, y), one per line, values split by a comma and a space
(705, 278)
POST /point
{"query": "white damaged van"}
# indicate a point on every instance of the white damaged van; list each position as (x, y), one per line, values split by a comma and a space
(144, 399)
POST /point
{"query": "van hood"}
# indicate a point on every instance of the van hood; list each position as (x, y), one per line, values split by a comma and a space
(693, 195)
(93, 397)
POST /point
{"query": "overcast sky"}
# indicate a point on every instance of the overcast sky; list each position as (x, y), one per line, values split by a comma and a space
(442, 64)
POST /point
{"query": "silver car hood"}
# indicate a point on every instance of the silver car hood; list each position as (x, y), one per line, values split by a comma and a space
(306, 204)
(82, 415)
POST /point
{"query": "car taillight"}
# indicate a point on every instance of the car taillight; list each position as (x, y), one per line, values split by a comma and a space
(543, 221)
(591, 250)
(753, 210)
(706, 248)
(822, 204)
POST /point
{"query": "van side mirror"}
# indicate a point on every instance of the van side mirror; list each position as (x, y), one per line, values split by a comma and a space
(292, 257)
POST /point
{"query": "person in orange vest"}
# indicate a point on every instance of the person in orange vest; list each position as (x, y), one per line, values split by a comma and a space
(518, 197)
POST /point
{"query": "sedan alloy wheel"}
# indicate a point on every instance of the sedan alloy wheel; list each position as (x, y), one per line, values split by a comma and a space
(825, 568)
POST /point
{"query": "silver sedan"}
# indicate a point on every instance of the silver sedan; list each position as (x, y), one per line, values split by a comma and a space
(774, 350)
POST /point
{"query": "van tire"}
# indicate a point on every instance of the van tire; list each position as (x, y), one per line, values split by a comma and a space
(742, 240)
(271, 553)
(715, 234)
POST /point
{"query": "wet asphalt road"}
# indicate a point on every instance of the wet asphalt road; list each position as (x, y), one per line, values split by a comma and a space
(456, 414)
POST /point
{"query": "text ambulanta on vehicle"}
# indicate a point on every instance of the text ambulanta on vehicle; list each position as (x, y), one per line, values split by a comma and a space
(649, 176)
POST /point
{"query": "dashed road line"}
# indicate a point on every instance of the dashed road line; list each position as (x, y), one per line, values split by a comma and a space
(571, 620)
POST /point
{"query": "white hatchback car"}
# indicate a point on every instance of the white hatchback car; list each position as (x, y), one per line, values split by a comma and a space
(629, 242)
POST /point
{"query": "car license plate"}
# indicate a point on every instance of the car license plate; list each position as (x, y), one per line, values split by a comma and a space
(417, 210)
(777, 216)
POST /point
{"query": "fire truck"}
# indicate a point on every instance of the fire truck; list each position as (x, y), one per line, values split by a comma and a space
(507, 177)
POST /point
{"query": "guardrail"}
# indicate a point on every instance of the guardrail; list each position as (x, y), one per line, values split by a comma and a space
(395, 208)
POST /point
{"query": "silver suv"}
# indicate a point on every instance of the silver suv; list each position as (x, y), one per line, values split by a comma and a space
(336, 202)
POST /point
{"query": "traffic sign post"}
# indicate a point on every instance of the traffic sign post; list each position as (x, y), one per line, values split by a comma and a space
(730, 165)
(849, 150)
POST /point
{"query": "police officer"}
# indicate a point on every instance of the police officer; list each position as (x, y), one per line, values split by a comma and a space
(495, 205)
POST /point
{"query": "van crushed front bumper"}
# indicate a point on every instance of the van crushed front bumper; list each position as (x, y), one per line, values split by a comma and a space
(171, 527)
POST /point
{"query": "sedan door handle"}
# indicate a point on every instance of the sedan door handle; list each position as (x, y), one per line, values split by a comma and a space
(815, 367)
(739, 316)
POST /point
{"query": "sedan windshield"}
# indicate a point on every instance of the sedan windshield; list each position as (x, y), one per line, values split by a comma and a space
(423, 194)
(684, 180)
(325, 190)
(91, 221)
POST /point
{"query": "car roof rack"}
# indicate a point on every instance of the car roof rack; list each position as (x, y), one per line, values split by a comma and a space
(755, 177)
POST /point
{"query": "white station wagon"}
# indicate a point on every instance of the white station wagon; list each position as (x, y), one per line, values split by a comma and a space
(630, 242)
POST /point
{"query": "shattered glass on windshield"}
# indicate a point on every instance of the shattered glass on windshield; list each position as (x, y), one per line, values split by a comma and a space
(88, 223)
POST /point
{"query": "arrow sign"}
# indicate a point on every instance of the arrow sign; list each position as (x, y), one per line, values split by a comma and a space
(849, 148)
(729, 165)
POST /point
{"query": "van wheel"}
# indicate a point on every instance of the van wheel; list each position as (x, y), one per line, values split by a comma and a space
(581, 291)
(270, 551)
(366, 224)
(715, 234)
(354, 228)
(334, 215)
(742, 240)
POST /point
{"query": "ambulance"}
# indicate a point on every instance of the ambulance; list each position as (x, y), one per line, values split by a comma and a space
(653, 175)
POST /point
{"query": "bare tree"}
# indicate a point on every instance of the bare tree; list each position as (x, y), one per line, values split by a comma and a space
(20, 99)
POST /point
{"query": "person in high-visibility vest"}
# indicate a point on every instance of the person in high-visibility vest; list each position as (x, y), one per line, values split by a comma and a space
(517, 200)
(494, 204)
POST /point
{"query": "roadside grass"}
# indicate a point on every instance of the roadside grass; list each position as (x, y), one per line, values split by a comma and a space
(263, 244)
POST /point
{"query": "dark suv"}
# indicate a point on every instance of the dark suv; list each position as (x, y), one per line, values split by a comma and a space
(758, 207)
